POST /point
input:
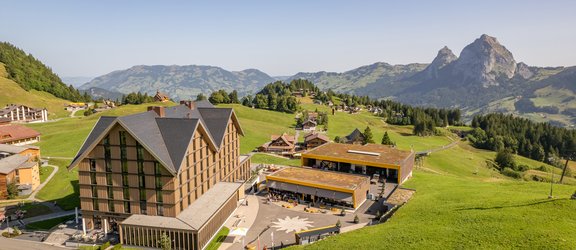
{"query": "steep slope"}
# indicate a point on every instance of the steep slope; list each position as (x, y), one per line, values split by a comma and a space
(180, 82)
(11, 92)
(32, 74)
(380, 77)
(444, 57)
(485, 61)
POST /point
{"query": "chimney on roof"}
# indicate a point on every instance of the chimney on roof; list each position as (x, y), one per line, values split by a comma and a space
(159, 110)
(190, 104)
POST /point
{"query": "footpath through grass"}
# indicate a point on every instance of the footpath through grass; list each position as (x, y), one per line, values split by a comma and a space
(63, 187)
(45, 172)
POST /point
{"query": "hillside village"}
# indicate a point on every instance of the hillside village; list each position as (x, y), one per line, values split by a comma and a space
(289, 165)
(364, 184)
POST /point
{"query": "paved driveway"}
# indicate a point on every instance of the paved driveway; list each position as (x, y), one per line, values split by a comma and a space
(283, 222)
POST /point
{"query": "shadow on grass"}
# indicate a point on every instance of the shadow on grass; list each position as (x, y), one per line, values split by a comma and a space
(512, 206)
(70, 201)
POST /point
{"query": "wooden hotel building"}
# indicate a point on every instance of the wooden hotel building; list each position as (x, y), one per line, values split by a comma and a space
(170, 170)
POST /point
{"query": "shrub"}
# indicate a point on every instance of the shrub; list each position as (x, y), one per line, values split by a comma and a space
(105, 246)
(522, 168)
(338, 223)
(542, 168)
(538, 178)
(342, 212)
(511, 173)
(356, 219)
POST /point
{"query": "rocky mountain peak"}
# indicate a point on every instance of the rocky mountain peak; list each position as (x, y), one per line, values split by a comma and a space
(443, 58)
(485, 61)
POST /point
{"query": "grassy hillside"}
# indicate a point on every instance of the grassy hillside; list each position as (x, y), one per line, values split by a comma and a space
(462, 204)
(11, 92)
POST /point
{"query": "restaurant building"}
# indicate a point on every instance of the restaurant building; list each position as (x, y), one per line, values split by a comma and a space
(313, 185)
(170, 170)
(389, 162)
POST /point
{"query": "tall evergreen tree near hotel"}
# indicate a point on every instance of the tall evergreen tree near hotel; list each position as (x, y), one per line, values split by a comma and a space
(368, 137)
(386, 139)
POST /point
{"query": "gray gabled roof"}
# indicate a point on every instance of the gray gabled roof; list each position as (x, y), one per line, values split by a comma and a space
(11, 163)
(356, 134)
(103, 123)
(177, 134)
(166, 138)
(144, 128)
(216, 119)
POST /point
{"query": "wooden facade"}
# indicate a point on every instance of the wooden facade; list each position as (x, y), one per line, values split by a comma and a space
(119, 177)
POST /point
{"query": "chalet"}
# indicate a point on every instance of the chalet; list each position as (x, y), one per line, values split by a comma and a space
(309, 125)
(279, 144)
(18, 135)
(19, 165)
(161, 97)
(76, 106)
(21, 113)
(312, 116)
(313, 140)
(356, 137)
(174, 171)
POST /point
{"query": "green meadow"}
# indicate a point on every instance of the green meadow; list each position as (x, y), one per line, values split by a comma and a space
(460, 202)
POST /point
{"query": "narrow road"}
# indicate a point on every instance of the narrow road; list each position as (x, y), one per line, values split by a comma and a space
(15, 244)
(33, 195)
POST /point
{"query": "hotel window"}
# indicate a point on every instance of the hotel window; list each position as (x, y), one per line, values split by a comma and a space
(142, 207)
(141, 181)
(139, 152)
(159, 197)
(123, 151)
(187, 160)
(107, 154)
(127, 207)
(122, 138)
(93, 177)
(110, 193)
(92, 165)
(95, 205)
(94, 192)
(157, 170)
(109, 179)
(159, 183)
(124, 180)
(140, 167)
(111, 206)
(143, 195)
(160, 209)
(126, 193)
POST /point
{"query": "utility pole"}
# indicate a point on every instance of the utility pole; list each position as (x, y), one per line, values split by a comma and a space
(551, 185)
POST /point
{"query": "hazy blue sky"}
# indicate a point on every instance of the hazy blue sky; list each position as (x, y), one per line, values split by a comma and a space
(81, 38)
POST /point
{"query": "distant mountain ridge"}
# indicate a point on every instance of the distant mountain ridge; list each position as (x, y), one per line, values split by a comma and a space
(180, 82)
(484, 73)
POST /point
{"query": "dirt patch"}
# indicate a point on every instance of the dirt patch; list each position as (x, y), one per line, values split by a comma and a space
(400, 196)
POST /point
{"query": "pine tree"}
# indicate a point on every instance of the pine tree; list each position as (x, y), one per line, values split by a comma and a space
(368, 137)
(386, 139)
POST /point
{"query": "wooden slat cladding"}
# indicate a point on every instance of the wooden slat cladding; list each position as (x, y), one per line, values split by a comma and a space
(202, 168)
